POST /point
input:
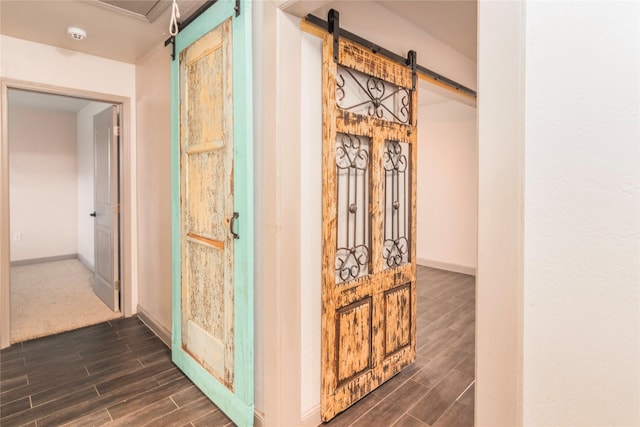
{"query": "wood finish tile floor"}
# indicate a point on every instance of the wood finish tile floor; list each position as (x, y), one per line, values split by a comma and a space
(116, 373)
(120, 373)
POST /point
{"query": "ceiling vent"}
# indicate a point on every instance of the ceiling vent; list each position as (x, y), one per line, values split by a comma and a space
(144, 10)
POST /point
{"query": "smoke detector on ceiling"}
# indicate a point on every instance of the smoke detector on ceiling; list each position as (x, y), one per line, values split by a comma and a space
(76, 33)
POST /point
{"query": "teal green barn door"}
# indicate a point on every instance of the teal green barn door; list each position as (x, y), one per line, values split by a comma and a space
(212, 207)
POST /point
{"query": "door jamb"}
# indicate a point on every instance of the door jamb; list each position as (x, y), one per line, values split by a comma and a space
(126, 218)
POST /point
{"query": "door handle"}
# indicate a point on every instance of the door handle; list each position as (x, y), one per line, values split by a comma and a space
(232, 224)
(93, 214)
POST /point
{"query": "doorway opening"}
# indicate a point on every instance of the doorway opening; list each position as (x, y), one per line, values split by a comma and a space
(56, 176)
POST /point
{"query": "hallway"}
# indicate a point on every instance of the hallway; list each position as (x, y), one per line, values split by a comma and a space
(119, 373)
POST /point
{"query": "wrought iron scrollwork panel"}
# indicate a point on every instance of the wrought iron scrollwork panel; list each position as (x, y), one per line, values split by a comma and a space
(352, 182)
(367, 95)
(397, 203)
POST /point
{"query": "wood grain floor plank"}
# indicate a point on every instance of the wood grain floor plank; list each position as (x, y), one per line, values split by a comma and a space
(457, 415)
(187, 396)
(104, 376)
(438, 400)
(408, 421)
(146, 413)
(10, 408)
(213, 418)
(72, 412)
(105, 387)
(391, 409)
(349, 416)
(95, 419)
(439, 368)
(195, 409)
(169, 376)
(147, 398)
(467, 366)
(12, 383)
(70, 399)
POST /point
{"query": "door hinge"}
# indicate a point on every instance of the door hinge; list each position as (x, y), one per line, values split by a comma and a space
(116, 131)
(117, 285)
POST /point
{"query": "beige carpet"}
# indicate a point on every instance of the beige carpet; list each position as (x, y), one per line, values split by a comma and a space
(53, 297)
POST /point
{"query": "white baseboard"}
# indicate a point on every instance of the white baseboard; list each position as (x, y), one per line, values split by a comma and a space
(258, 419)
(86, 262)
(447, 266)
(163, 333)
(311, 418)
(45, 259)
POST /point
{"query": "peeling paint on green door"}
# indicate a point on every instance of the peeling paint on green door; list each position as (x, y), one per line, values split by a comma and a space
(212, 207)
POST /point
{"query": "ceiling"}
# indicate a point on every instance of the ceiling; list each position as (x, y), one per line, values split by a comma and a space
(127, 36)
(111, 33)
(454, 22)
(25, 98)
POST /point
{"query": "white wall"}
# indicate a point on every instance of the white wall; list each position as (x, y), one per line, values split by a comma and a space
(153, 105)
(447, 186)
(42, 185)
(558, 293)
(582, 215)
(85, 182)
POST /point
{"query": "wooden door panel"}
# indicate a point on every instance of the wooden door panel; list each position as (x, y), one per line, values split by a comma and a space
(206, 208)
(207, 204)
(354, 333)
(397, 318)
(368, 273)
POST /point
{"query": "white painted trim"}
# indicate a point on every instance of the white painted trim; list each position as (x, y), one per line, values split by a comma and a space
(500, 265)
(43, 260)
(300, 8)
(311, 418)
(127, 180)
(464, 269)
(258, 419)
(5, 276)
(277, 124)
(163, 333)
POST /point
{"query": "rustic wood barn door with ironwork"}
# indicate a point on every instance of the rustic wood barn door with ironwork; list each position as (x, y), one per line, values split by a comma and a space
(368, 223)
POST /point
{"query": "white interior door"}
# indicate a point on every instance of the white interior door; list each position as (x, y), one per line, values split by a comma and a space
(106, 282)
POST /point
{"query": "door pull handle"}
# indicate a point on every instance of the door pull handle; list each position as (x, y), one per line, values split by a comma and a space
(232, 224)
(93, 214)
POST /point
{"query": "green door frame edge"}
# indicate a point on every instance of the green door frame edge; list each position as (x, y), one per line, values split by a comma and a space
(238, 405)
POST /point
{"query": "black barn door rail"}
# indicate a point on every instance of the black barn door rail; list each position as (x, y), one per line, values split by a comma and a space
(332, 25)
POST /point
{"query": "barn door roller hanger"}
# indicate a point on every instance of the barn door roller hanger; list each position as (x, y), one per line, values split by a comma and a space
(172, 40)
(332, 25)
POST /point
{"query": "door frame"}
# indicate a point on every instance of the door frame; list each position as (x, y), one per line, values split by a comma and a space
(126, 217)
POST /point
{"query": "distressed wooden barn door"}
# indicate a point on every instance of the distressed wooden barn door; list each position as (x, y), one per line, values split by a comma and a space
(212, 334)
(369, 206)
